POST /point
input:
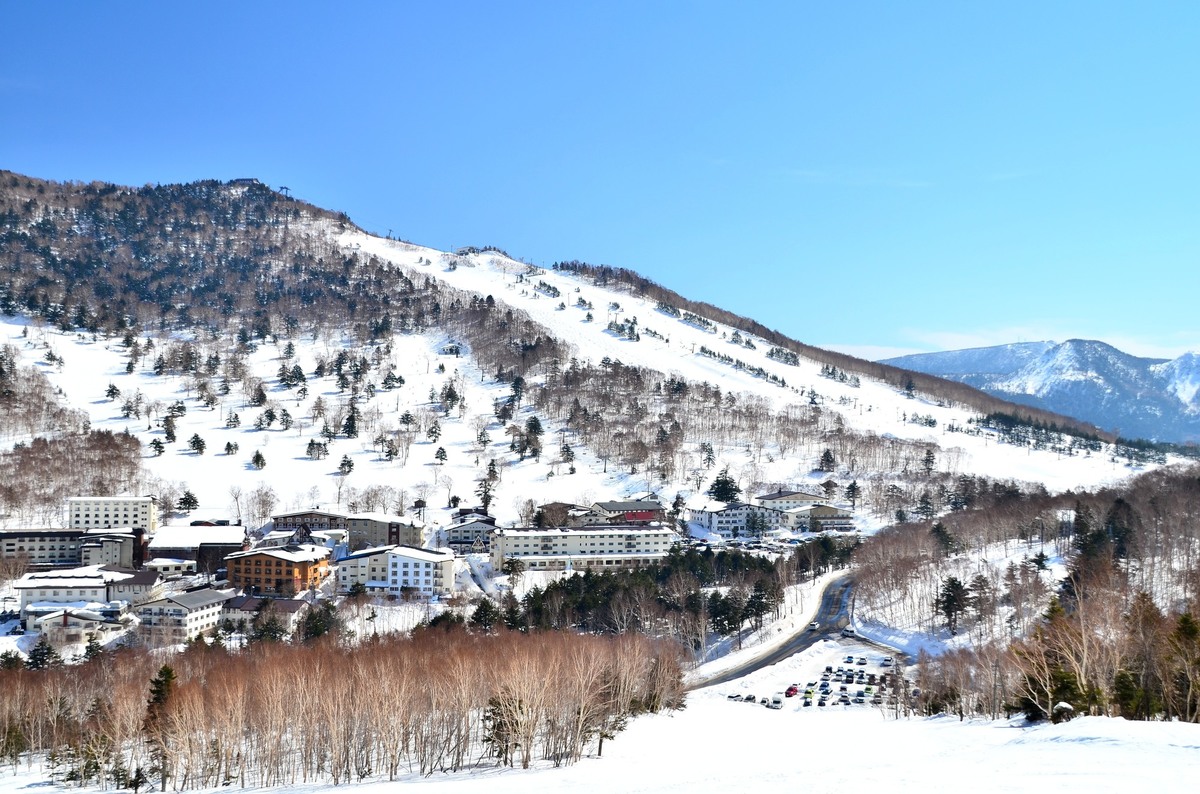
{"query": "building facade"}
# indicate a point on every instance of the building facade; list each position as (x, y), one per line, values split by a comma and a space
(381, 529)
(42, 548)
(597, 547)
(106, 512)
(286, 570)
(399, 570)
(181, 617)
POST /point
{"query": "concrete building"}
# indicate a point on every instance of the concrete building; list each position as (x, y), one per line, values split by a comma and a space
(786, 500)
(180, 617)
(382, 529)
(42, 548)
(596, 547)
(399, 570)
(115, 548)
(466, 536)
(206, 546)
(134, 512)
(284, 570)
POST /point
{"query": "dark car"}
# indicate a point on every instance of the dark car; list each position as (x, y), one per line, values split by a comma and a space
(750, 699)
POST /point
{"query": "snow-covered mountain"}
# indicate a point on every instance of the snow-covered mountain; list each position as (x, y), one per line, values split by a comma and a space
(1133, 396)
(246, 305)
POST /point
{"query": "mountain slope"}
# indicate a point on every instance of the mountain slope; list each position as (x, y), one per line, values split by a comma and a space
(1093, 381)
(446, 359)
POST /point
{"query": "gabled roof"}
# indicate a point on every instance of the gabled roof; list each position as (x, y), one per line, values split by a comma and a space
(195, 599)
(80, 614)
(305, 553)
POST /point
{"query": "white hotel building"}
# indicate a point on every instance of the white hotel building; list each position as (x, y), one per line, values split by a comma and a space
(135, 512)
(399, 569)
(597, 547)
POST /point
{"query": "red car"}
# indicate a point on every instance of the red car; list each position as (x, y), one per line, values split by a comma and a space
(791, 692)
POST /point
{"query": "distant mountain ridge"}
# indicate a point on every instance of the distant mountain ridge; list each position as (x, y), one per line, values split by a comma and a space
(1090, 380)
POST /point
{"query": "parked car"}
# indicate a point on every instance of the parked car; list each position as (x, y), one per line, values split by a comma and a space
(808, 701)
(862, 660)
(791, 691)
(733, 696)
(750, 699)
(887, 661)
(776, 701)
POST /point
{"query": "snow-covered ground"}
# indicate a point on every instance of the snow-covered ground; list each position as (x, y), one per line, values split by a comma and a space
(717, 746)
(91, 364)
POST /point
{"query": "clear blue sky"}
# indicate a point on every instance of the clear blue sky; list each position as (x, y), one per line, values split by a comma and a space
(908, 176)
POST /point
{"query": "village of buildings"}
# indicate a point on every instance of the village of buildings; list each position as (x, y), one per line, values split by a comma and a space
(114, 575)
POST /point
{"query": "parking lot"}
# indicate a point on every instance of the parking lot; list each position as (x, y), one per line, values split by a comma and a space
(841, 674)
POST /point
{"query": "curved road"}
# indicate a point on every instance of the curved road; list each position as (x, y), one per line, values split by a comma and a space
(833, 615)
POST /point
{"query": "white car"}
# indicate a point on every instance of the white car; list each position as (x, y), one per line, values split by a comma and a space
(849, 632)
(814, 626)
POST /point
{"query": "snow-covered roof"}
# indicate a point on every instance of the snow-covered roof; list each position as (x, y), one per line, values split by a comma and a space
(179, 537)
(371, 552)
(427, 555)
(304, 553)
(164, 561)
(195, 599)
(86, 576)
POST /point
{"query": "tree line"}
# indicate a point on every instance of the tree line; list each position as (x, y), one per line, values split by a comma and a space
(277, 715)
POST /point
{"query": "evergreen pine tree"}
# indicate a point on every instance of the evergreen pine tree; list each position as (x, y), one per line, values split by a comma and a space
(724, 488)
(43, 656)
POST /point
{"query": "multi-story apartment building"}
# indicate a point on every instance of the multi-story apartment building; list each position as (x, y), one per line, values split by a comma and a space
(311, 520)
(470, 535)
(205, 546)
(42, 548)
(381, 529)
(600, 547)
(399, 570)
(284, 570)
(114, 548)
(787, 500)
(181, 617)
(135, 512)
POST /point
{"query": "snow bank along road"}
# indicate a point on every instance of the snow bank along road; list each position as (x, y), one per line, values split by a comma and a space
(833, 615)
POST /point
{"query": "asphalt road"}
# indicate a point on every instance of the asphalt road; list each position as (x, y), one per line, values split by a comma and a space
(832, 617)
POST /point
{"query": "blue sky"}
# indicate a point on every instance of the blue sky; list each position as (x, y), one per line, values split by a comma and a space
(867, 176)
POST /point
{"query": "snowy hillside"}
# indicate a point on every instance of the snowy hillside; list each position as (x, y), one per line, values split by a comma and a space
(880, 431)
